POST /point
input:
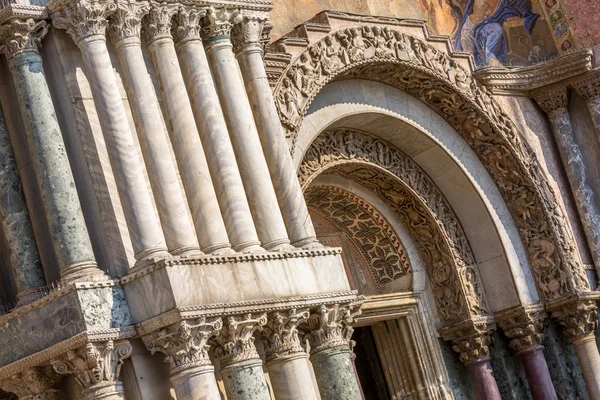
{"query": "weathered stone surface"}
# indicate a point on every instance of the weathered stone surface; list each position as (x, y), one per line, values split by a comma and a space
(245, 381)
(335, 374)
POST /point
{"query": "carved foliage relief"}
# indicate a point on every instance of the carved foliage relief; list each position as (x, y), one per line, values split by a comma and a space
(419, 205)
(432, 76)
(364, 224)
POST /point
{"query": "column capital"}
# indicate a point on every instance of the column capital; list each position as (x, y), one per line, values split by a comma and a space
(470, 338)
(159, 21)
(330, 326)
(188, 25)
(83, 19)
(235, 342)
(553, 101)
(20, 36)
(280, 334)
(247, 33)
(217, 23)
(588, 87)
(579, 319)
(96, 366)
(36, 383)
(524, 326)
(126, 21)
(184, 344)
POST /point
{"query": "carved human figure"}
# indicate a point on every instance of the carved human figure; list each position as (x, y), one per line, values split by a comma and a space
(288, 102)
(330, 57)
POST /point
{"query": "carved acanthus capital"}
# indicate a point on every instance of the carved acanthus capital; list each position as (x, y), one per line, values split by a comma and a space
(217, 23)
(20, 36)
(553, 101)
(280, 334)
(96, 365)
(235, 343)
(470, 338)
(247, 33)
(37, 383)
(159, 21)
(579, 319)
(588, 87)
(185, 344)
(524, 326)
(126, 22)
(188, 25)
(330, 326)
(84, 19)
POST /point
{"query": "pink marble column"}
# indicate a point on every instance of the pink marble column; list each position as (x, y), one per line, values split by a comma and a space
(538, 375)
(483, 379)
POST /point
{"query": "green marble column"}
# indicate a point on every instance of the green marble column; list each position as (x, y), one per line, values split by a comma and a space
(68, 231)
(14, 218)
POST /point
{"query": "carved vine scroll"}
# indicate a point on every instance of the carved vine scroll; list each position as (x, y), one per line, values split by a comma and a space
(419, 205)
(432, 76)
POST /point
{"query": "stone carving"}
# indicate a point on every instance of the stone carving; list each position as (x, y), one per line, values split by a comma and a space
(158, 23)
(187, 26)
(95, 366)
(553, 101)
(589, 87)
(36, 383)
(524, 326)
(217, 23)
(428, 74)
(361, 221)
(280, 334)
(417, 202)
(185, 345)
(126, 21)
(470, 338)
(21, 36)
(235, 342)
(82, 19)
(248, 32)
(579, 320)
(330, 326)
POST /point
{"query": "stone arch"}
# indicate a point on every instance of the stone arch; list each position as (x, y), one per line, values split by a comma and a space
(417, 203)
(412, 64)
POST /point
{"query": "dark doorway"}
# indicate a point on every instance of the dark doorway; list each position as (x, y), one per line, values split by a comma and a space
(368, 365)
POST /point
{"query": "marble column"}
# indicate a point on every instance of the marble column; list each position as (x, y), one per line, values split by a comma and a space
(471, 340)
(589, 89)
(124, 32)
(242, 129)
(187, 145)
(241, 366)
(86, 24)
(98, 380)
(186, 350)
(524, 327)
(554, 104)
(328, 331)
(213, 131)
(14, 218)
(285, 358)
(68, 231)
(580, 320)
(36, 383)
(246, 37)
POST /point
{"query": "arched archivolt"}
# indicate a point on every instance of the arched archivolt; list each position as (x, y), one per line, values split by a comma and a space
(414, 66)
(417, 203)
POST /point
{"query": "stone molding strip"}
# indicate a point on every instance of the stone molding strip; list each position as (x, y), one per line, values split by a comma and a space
(225, 259)
(22, 11)
(74, 342)
(236, 308)
(255, 5)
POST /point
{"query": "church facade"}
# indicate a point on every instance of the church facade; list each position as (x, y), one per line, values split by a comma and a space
(248, 200)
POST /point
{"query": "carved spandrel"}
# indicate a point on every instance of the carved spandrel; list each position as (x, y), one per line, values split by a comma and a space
(430, 75)
(186, 345)
(22, 36)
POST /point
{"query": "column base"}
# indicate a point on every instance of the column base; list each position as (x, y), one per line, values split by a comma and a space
(27, 296)
(220, 248)
(248, 247)
(84, 271)
(148, 257)
(308, 243)
(278, 245)
(187, 252)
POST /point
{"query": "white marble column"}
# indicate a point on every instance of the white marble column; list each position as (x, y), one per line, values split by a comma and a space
(68, 231)
(185, 348)
(86, 24)
(242, 129)
(188, 148)
(213, 131)
(589, 89)
(246, 37)
(96, 367)
(554, 104)
(286, 361)
(124, 32)
(241, 366)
